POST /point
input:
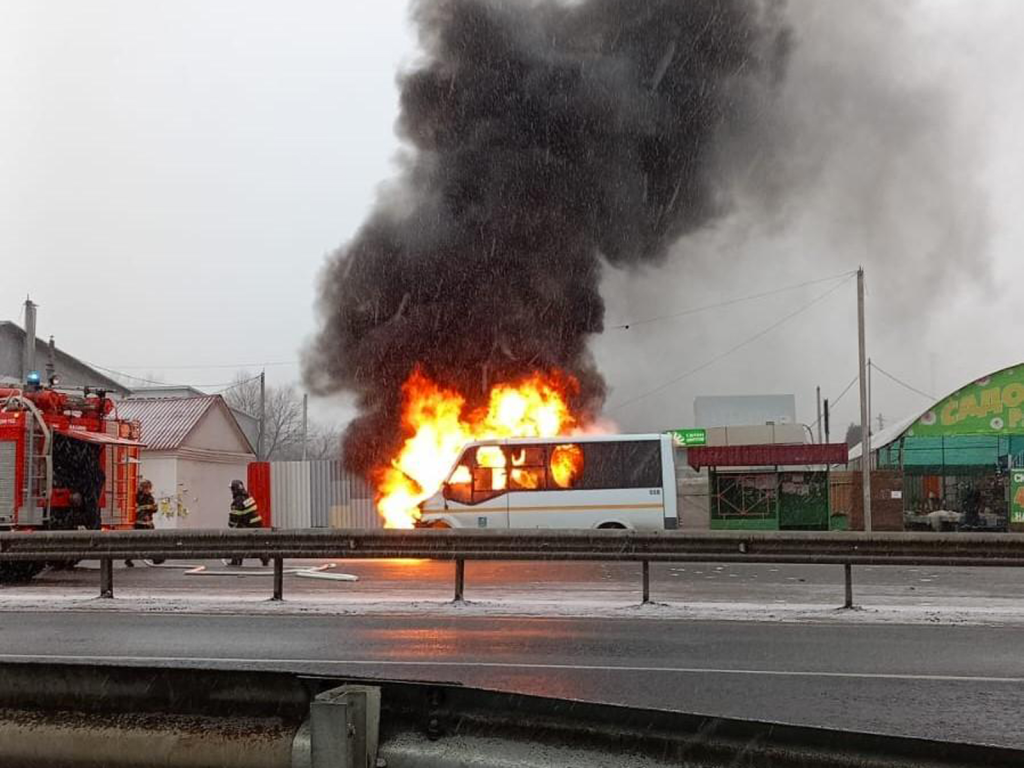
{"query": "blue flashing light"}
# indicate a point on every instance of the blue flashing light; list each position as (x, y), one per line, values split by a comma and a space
(34, 377)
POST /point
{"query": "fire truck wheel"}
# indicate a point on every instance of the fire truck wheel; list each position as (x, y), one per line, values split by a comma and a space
(18, 573)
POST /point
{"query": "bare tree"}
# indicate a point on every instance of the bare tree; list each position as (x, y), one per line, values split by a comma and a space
(323, 442)
(853, 433)
(282, 422)
(282, 439)
(244, 393)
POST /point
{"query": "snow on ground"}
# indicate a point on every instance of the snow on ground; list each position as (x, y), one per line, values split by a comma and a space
(748, 593)
(580, 605)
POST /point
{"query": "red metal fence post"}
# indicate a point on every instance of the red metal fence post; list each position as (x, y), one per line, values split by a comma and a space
(258, 483)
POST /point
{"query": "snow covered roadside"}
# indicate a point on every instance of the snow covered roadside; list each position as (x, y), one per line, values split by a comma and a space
(582, 605)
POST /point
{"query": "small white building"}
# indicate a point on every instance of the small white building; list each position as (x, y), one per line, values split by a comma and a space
(194, 449)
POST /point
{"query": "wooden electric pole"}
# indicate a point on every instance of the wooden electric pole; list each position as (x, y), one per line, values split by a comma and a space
(819, 414)
(261, 441)
(865, 418)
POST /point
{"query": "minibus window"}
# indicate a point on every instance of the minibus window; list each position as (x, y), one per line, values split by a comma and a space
(566, 465)
(528, 468)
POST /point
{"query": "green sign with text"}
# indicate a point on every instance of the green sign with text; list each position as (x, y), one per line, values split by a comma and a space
(690, 436)
(1017, 495)
(992, 405)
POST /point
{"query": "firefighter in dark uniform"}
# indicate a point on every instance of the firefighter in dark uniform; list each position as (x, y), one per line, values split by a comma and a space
(145, 509)
(244, 513)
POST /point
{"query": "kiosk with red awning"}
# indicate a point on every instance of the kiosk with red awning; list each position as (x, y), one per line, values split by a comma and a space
(770, 486)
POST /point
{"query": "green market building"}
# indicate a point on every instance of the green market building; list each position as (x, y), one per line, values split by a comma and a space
(961, 453)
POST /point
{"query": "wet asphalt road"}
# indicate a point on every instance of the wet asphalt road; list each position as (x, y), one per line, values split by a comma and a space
(497, 582)
(956, 682)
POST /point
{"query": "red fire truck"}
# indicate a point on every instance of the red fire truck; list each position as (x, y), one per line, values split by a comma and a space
(66, 462)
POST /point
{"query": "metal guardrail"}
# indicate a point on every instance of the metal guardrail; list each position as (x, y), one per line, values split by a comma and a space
(89, 714)
(846, 549)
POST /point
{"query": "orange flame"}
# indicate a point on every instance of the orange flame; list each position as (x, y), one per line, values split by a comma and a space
(525, 477)
(438, 429)
(566, 464)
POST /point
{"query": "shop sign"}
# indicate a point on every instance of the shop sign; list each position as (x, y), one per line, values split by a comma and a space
(690, 436)
(1017, 496)
(992, 405)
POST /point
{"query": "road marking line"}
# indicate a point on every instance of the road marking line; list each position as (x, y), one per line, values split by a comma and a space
(509, 665)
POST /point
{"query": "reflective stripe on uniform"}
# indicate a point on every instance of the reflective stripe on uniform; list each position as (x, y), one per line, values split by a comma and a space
(247, 515)
(246, 522)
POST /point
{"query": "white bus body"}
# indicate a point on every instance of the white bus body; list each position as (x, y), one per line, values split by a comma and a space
(605, 481)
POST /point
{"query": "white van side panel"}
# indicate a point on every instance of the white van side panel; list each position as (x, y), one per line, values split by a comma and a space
(492, 513)
(641, 509)
(644, 509)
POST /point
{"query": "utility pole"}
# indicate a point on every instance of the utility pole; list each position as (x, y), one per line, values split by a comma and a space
(827, 436)
(28, 359)
(865, 419)
(871, 402)
(260, 442)
(305, 423)
(819, 414)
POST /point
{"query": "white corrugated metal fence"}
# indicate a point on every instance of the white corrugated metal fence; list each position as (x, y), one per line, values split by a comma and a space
(319, 494)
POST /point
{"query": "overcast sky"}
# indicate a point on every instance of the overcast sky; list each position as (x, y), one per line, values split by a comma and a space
(172, 175)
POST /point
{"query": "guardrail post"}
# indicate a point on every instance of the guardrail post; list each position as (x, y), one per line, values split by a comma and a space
(460, 580)
(278, 579)
(647, 581)
(848, 577)
(106, 577)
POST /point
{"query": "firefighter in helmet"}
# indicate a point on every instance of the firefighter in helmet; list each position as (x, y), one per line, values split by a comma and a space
(244, 513)
(145, 509)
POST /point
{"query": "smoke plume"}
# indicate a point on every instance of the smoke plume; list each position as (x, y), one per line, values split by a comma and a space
(874, 151)
(545, 139)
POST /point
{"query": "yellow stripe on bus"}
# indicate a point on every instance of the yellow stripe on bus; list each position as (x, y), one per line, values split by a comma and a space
(549, 508)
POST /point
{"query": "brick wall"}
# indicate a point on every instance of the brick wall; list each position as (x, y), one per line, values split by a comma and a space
(886, 512)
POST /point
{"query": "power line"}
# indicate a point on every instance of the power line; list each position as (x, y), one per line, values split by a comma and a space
(903, 384)
(729, 302)
(226, 384)
(847, 389)
(233, 385)
(219, 365)
(832, 404)
(731, 350)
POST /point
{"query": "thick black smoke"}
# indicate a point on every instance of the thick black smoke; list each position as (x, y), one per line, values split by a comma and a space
(546, 138)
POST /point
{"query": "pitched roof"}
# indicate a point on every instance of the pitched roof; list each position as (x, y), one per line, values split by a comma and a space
(96, 378)
(884, 437)
(897, 429)
(166, 421)
(166, 390)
